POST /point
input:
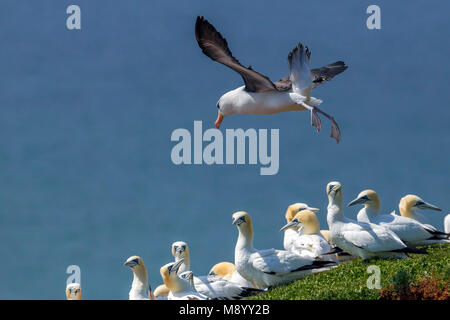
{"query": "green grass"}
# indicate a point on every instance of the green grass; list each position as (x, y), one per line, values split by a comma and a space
(348, 280)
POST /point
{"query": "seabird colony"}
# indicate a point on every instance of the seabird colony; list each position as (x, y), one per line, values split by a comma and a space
(307, 248)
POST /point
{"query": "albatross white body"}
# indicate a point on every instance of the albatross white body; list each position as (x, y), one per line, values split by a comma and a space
(242, 101)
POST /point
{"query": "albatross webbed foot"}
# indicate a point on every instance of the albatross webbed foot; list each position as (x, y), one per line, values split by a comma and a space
(335, 131)
(315, 120)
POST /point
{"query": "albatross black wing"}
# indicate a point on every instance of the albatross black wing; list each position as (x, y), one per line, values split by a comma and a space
(319, 76)
(326, 73)
(216, 47)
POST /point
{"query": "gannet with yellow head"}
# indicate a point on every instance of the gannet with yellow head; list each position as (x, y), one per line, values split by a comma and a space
(140, 279)
(290, 234)
(269, 267)
(308, 239)
(73, 291)
(227, 271)
(161, 292)
(371, 202)
(180, 289)
(211, 286)
(410, 231)
(410, 205)
(366, 240)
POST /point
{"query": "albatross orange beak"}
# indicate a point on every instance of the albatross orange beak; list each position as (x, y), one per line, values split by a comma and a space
(219, 120)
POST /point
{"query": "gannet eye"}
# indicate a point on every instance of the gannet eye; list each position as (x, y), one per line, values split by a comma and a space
(419, 203)
(365, 197)
(295, 220)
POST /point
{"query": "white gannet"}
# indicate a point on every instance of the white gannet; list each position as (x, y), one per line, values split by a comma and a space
(308, 240)
(410, 231)
(269, 267)
(290, 233)
(366, 240)
(410, 205)
(213, 287)
(260, 95)
(73, 291)
(161, 292)
(180, 250)
(180, 289)
(138, 289)
(227, 271)
(447, 223)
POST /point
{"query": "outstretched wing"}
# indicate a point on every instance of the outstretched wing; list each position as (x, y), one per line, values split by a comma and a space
(319, 76)
(326, 73)
(216, 47)
(299, 72)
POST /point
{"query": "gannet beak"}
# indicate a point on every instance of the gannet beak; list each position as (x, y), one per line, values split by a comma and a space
(290, 225)
(426, 205)
(176, 266)
(219, 120)
(357, 201)
(131, 263)
(312, 209)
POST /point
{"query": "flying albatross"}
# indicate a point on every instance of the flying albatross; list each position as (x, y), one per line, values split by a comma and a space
(260, 95)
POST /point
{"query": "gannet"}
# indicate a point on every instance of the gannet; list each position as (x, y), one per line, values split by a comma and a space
(180, 289)
(227, 271)
(161, 292)
(73, 291)
(308, 240)
(447, 223)
(410, 231)
(213, 287)
(410, 204)
(260, 95)
(269, 267)
(140, 279)
(290, 233)
(366, 240)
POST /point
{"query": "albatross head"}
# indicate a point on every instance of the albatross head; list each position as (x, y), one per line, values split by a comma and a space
(410, 203)
(73, 291)
(225, 106)
(305, 220)
(368, 198)
(293, 209)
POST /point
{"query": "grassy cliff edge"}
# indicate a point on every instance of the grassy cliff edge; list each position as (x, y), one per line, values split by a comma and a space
(348, 281)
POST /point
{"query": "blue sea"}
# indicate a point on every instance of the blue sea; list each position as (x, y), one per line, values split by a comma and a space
(86, 117)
